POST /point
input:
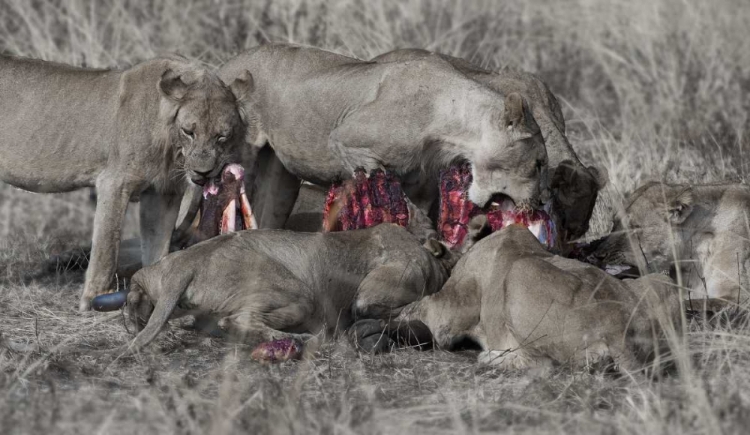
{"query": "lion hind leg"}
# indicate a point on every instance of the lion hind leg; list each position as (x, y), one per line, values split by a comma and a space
(387, 289)
(271, 344)
(258, 324)
(507, 352)
(250, 329)
(513, 359)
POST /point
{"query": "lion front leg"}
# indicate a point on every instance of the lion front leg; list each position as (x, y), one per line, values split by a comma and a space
(272, 188)
(114, 195)
(158, 213)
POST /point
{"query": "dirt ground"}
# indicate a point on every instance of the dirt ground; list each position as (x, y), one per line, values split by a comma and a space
(59, 373)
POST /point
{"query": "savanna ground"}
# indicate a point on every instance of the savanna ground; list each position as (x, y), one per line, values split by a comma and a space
(650, 89)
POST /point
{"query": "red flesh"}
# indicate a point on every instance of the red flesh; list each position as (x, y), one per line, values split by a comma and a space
(225, 207)
(277, 351)
(364, 202)
(456, 210)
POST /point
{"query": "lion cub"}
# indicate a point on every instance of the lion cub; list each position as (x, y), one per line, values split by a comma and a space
(700, 231)
(526, 307)
(274, 284)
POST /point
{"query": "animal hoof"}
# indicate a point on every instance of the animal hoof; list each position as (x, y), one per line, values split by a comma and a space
(369, 336)
(110, 301)
(277, 351)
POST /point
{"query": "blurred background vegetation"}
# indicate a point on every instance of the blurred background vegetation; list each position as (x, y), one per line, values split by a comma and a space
(650, 89)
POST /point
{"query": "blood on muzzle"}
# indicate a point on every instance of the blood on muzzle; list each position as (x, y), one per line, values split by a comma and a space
(456, 211)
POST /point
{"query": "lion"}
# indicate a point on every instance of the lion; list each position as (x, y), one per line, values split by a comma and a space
(324, 115)
(526, 307)
(131, 133)
(574, 186)
(266, 285)
(697, 231)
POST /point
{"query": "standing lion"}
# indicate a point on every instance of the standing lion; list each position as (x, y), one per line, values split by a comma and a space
(139, 131)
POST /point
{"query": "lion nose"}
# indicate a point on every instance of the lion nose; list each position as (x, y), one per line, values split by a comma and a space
(200, 178)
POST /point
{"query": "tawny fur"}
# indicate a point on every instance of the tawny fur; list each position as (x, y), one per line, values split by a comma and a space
(699, 230)
(272, 284)
(323, 115)
(122, 131)
(574, 186)
(527, 307)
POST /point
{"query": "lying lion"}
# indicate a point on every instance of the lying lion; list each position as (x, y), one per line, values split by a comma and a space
(526, 307)
(139, 131)
(268, 285)
(325, 115)
(700, 231)
(574, 186)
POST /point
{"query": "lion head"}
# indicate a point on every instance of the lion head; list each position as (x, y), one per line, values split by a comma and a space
(205, 123)
(511, 159)
(641, 235)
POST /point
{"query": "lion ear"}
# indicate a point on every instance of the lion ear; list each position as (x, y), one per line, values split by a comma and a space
(173, 85)
(243, 86)
(437, 249)
(681, 205)
(514, 117)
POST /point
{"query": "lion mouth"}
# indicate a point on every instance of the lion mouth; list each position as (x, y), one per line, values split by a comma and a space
(500, 202)
(456, 210)
(200, 181)
(225, 207)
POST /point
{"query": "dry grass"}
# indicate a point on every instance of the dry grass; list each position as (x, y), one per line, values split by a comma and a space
(650, 89)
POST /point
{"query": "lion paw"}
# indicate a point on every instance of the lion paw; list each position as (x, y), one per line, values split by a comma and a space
(368, 335)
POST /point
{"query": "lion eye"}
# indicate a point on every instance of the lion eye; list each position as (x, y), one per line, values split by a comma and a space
(221, 139)
(188, 133)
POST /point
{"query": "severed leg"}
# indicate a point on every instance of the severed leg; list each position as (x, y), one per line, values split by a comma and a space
(225, 206)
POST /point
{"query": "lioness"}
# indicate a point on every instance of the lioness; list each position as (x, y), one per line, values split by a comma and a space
(700, 231)
(526, 307)
(325, 115)
(126, 132)
(274, 284)
(574, 186)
